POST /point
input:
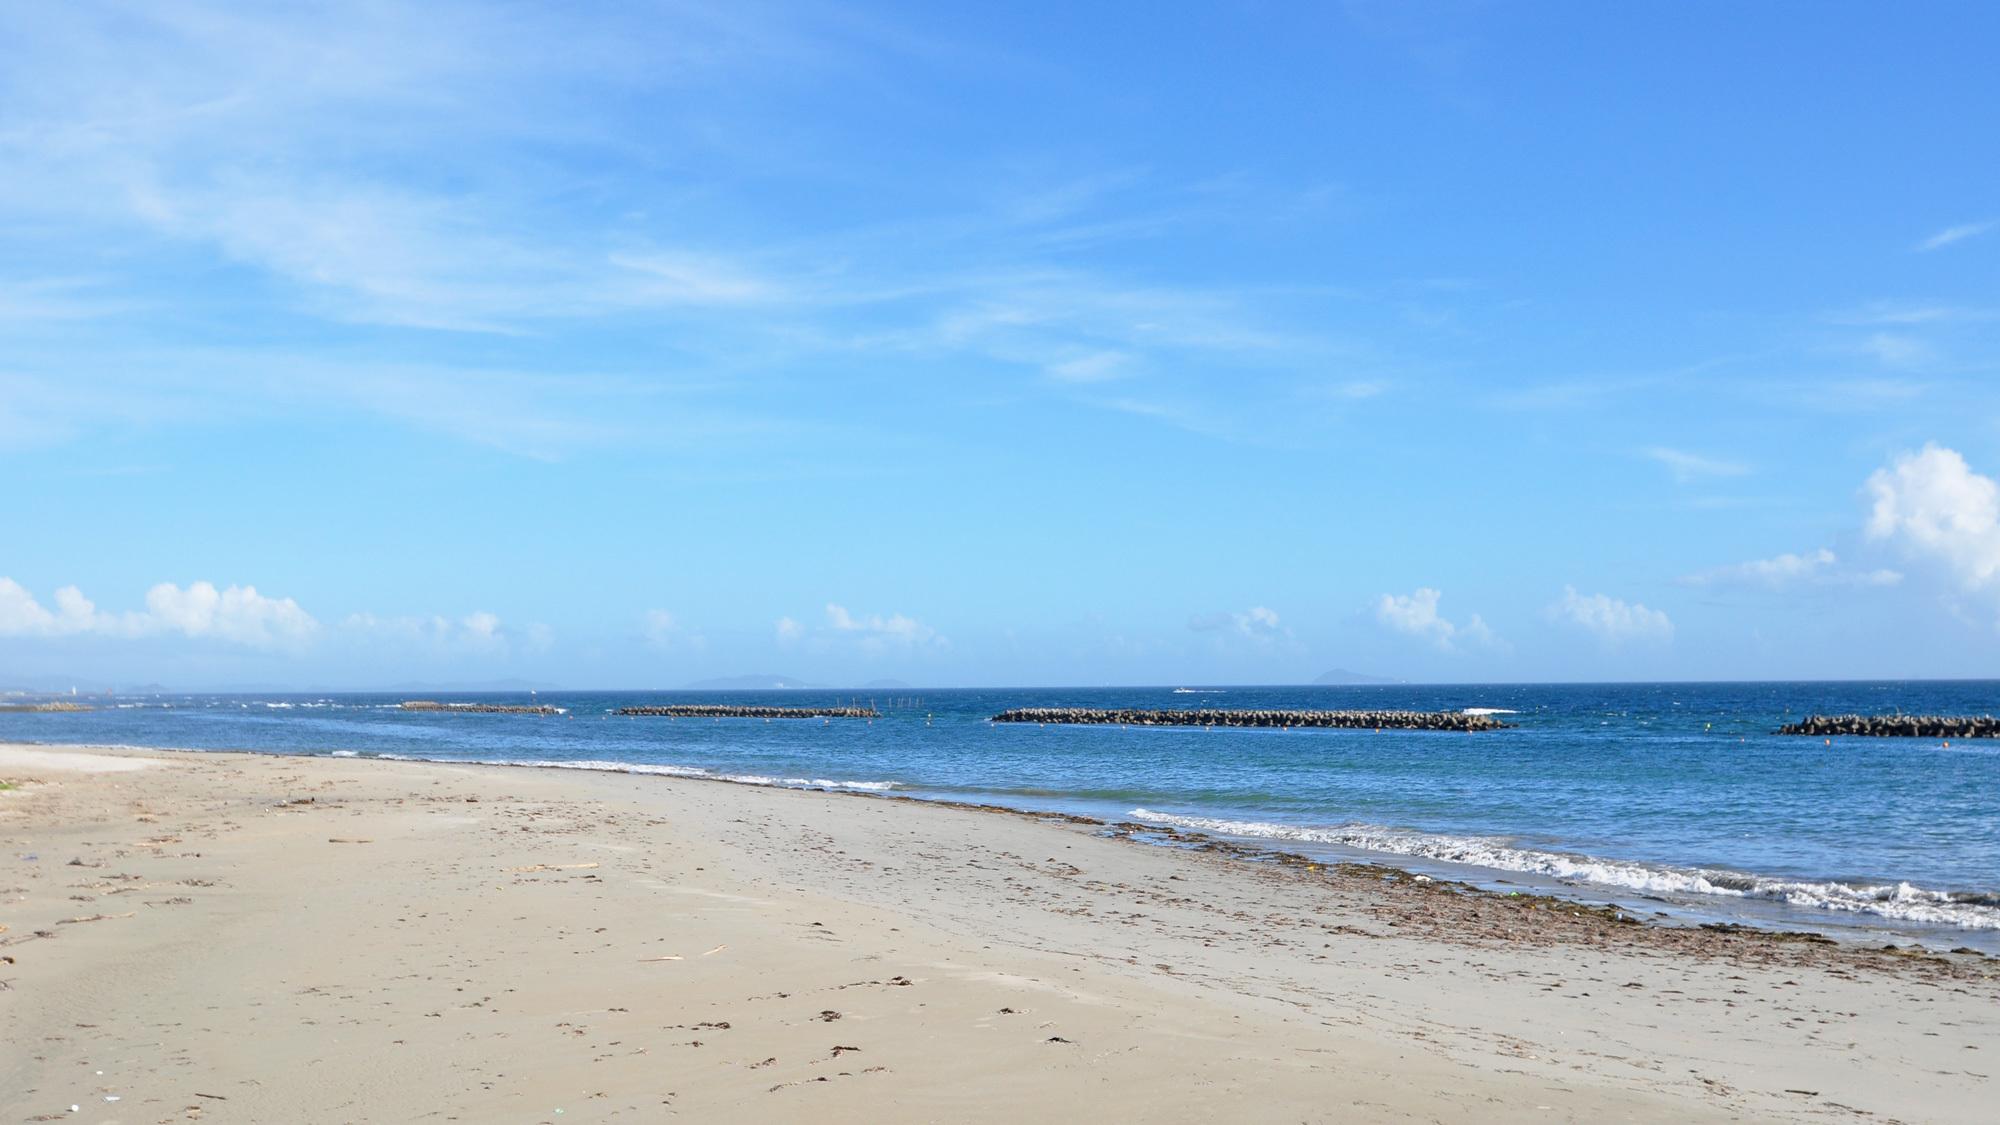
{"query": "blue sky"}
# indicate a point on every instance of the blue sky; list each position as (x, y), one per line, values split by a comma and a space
(631, 344)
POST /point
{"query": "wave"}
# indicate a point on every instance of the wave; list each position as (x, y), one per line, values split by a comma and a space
(1489, 711)
(662, 771)
(1901, 902)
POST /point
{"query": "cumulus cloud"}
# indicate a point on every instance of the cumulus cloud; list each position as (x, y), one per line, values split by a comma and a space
(1611, 619)
(1788, 572)
(238, 614)
(790, 630)
(1256, 622)
(1416, 614)
(1931, 506)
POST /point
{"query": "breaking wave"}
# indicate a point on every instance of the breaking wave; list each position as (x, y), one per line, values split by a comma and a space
(1900, 902)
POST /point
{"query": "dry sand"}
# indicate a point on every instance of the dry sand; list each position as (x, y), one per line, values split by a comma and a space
(241, 938)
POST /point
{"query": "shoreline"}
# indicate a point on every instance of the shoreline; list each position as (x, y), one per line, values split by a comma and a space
(304, 924)
(1744, 914)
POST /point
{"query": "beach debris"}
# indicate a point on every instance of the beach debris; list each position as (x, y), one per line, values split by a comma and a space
(839, 1051)
(1057, 1039)
(1210, 718)
(95, 918)
(717, 949)
(552, 867)
(674, 957)
(343, 840)
(829, 1015)
(716, 711)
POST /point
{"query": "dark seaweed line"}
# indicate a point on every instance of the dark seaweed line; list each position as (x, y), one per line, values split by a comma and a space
(1372, 720)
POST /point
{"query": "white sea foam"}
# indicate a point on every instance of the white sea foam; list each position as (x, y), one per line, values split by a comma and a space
(665, 771)
(1901, 901)
(1489, 711)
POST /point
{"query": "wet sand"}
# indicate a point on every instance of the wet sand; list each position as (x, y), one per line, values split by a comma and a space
(224, 937)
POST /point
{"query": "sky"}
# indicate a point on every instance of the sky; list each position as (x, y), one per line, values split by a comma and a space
(623, 345)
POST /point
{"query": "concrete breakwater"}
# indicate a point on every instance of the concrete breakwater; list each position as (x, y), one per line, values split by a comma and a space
(1372, 720)
(45, 707)
(481, 708)
(1897, 726)
(716, 711)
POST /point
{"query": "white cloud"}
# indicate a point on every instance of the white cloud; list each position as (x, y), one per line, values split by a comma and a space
(1416, 613)
(1932, 506)
(1257, 623)
(1785, 572)
(1092, 368)
(893, 627)
(1609, 618)
(790, 630)
(1950, 235)
(1687, 466)
(239, 614)
(1896, 351)
(663, 630)
(475, 632)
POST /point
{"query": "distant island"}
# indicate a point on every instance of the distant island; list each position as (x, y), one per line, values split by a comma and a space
(1343, 676)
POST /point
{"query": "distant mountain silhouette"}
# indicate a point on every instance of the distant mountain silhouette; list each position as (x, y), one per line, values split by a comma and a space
(1343, 676)
(764, 682)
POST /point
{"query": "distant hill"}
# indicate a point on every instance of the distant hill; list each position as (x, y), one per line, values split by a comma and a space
(884, 685)
(751, 683)
(1343, 676)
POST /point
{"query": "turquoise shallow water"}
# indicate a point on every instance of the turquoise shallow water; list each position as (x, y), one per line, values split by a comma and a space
(1677, 793)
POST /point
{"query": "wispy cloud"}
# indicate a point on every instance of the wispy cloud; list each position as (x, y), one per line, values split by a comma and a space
(1788, 572)
(1950, 235)
(1688, 466)
(664, 631)
(1257, 623)
(478, 632)
(1610, 619)
(872, 634)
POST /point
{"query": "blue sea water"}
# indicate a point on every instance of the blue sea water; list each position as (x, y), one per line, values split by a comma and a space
(1669, 798)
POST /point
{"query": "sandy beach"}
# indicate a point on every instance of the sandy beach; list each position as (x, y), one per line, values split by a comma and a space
(243, 938)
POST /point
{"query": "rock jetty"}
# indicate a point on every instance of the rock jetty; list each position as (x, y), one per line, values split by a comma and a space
(715, 711)
(1897, 726)
(482, 708)
(1373, 720)
(45, 707)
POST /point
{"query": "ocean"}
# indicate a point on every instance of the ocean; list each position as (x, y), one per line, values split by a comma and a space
(1675, 801)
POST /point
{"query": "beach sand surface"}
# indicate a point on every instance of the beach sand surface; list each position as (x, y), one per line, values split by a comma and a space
(248, 938)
